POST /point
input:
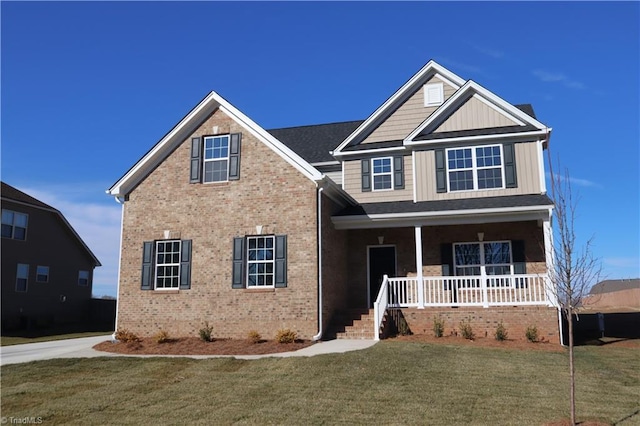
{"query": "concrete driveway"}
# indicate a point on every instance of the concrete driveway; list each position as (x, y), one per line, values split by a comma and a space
(82, 348)
(69, 348)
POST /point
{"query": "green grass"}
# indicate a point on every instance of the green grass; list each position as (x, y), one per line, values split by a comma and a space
(390, 383)
(19, 340)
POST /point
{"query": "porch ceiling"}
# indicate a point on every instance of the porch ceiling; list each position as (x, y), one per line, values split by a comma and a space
(445, 212)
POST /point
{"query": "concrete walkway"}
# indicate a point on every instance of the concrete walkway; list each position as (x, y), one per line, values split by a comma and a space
(82, 348)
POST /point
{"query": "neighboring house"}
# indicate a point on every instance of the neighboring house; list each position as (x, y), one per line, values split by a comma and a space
(435, 205)
(614, 296)
(47, 269)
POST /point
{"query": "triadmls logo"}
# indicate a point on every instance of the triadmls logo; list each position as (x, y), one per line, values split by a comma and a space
(21, 420)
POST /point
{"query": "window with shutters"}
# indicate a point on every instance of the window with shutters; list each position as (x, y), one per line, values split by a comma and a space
(215, 158)
(166, 265)
(14, 225)
(259, 261)
(484, 258)
(382, 173)
(475, 168)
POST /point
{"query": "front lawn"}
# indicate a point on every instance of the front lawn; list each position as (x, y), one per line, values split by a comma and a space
(394, 382)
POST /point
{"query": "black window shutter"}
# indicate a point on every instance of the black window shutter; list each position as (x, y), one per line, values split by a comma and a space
(237, 279)
(366, 175)
(510, 178)
(398, 172)
(234, 156)
(147, 266)
(196, 160)
(281, 261)
(441, 171)
(446, 258)
(185, 265)
(519, 259)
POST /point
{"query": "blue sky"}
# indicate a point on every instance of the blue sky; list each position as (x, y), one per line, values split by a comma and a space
(87, 88)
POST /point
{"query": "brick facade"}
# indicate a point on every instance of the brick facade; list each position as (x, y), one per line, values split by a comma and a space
(516, 320)
(270, 193)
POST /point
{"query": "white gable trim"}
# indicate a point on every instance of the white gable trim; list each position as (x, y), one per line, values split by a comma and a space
(188, 124)
(455, 101)
(415, 83)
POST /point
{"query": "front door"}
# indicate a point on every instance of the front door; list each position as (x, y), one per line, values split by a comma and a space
(382, 261)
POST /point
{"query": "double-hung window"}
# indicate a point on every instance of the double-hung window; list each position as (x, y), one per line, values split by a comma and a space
(216, 158)
(382, 173)
(42, 274)
(83, 278)
(14, 225)
(486, 258)
(474, 168)
(260, 261)
(166, 265)
(22, 277)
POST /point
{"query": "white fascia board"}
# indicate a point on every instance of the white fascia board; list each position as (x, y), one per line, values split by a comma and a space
(479, 138)
(166, 145)
(484, 95)
(452, 217)
(370, 151)
(430, 67)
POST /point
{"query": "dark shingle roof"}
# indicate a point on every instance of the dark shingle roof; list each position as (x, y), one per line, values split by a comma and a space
(314, 142)
(527, 109)
(11, 193)
(447, 205)
(476, 132)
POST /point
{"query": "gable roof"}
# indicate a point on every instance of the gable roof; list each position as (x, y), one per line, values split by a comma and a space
(522, 116)
(610, 286)
(314, 143)
(10, 193)
(213, 101)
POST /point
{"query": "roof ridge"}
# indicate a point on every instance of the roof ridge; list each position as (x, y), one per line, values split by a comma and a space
(315, 125)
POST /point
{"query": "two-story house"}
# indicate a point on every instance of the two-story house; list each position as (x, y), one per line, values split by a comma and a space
(47, 269)
(433, 206)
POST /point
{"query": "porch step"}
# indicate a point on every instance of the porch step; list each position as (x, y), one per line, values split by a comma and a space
(359, 325)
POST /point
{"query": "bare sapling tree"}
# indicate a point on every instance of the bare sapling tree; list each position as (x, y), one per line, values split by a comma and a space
(575, 269)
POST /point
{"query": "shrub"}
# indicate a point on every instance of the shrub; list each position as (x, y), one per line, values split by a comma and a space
(254, 337)
(438, 327)
(466, 330)
(125, 336)
(161, 337)
(286, 336)
(205, 333)
(532, 333)
(403, 327)
(501, 332)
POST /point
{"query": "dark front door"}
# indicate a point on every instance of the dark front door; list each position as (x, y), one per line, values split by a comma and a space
(382, 260)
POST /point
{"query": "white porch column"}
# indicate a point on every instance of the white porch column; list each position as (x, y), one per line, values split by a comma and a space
(418, 232)
(550, 292)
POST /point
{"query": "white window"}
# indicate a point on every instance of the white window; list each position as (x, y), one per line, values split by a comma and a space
(486, 258)
(14, 225)
(216, 158)
(382, 173)
(260, 261)
(433, 94)
(83, 278)
(22, 277)
(473, 168)
(42, 274)
(168, 264)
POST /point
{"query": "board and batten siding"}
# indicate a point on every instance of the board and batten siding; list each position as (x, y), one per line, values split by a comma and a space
(527, 170)
(474, 114)
(408, 116)
(353, 184)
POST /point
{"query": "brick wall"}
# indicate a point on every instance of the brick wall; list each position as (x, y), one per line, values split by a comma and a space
(270, 193)
(484, 321)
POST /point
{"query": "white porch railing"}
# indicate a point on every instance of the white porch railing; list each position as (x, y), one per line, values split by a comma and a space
(486, 291)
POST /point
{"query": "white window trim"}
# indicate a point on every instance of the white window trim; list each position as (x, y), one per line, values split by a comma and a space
(429, 102)
(156, 265)
(374, 174)
(255, 262)
(483, 265)
(37, 273)
(213, 160)
(474, 167)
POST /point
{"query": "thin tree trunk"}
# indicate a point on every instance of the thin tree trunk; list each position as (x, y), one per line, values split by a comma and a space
(572, 378)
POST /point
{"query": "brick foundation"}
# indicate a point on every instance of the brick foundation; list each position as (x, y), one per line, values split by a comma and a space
(484, 321)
